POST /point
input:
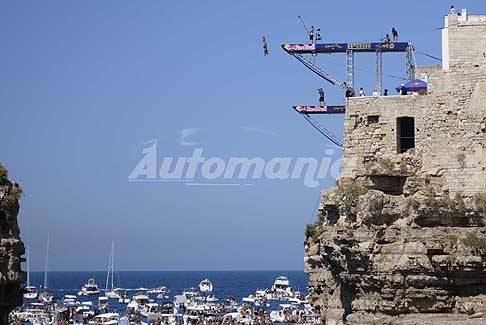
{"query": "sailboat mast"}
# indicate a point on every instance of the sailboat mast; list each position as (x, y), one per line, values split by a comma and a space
(28, 266)
(108, 272)
(112, 262)
(45, 267)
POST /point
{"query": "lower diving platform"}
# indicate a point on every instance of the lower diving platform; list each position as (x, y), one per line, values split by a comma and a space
(319, 109)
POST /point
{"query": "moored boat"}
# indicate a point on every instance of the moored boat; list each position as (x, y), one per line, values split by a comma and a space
(206, 286)
(89, 289)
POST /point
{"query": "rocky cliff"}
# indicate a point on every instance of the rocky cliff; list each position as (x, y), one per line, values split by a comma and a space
(401, 239)
(11, 247)
(387, 245)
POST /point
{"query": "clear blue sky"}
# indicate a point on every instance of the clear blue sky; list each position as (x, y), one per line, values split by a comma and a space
(84, 84)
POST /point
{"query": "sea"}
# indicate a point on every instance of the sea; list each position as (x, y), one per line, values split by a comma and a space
(236, 284)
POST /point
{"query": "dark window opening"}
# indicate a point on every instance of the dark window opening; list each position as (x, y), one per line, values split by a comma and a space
(405, 133)
(373, 119)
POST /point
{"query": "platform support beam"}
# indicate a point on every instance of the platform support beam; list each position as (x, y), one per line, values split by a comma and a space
(350, 68)
(410, 62)
(379, 71)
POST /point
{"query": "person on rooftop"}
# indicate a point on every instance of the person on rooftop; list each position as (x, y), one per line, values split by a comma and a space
(403, 90)
(311, 34)
(362, 92)
(394, 34)
(387, 38)
(453, 10)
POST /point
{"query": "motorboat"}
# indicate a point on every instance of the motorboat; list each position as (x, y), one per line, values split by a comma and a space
(287, 314)
(30, 292)
(70, 300)
(187, 296)
(106, 319)
(45, 296)
(206, 286)
(33, 313)
(158, 290)
(281, 284)
(85, 310)
(103, 303)
(89, 289)
(124, 298)
(137, 303)
(281, 290)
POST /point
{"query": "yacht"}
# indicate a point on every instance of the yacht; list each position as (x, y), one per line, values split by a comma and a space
(281, 290)
(30, 292)
(103, 303)
(106, 319)
(124, 298)
(281, 284)
(137, 303)
(205, 286)
(158, 290)
(89, 289)
(286, 314)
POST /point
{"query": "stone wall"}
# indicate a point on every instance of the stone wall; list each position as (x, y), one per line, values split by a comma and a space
(450, 128)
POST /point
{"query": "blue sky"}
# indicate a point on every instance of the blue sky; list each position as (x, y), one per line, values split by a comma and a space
(85, 84)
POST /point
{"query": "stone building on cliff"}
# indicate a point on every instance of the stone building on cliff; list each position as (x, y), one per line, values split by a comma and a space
(402, 237)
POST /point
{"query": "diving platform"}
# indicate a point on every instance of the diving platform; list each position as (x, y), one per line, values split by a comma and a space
(344, 47)
(320, 109)
(300, 51)
(307, 53)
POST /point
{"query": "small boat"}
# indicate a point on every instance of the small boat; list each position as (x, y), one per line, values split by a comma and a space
(89, 289)
(124, 298)
(205, 286)
(30, 292)
(103, 303)
(281, 290)
(158, 290)
(281, 283)
(137, 303)
(106, 319)
(285, 315)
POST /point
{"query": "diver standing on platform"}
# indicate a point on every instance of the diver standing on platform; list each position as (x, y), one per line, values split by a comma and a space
(321, 97)
(394, 34)
(311, 34)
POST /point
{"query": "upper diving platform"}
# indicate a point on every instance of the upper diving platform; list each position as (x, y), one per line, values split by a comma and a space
(344, 47)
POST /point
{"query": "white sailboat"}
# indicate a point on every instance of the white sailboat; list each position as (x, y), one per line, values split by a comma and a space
(30, 292)
(112, 294)
(45, 295)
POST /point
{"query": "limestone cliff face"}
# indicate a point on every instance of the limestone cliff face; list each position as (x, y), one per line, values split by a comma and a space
(418, 251)
(402, 236)
(11, 247)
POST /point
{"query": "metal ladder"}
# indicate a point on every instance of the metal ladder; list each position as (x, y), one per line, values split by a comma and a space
(324, 131)
(317, 70)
